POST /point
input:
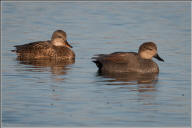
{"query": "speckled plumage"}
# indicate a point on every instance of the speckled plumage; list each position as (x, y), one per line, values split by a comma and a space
(46, 49)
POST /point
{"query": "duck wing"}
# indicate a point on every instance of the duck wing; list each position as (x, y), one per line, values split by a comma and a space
(115, 59)
(35, 49)
(32, 46)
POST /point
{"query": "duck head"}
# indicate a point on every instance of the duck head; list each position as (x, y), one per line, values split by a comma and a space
(148, 50)
(59, 38)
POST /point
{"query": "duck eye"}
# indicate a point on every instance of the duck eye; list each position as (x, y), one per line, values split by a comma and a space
(149, 48)
(59, 37)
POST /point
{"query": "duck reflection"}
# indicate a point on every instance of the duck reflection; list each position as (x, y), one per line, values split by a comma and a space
(57, 66)
(145, 82)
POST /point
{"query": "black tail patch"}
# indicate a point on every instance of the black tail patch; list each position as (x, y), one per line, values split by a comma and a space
(13, 50)
(99, 64)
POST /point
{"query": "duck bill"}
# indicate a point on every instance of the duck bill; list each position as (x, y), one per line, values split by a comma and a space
(158, 57)
(68, 45)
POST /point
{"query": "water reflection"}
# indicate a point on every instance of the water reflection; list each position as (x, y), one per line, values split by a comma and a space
(144, 82)
(57, 67)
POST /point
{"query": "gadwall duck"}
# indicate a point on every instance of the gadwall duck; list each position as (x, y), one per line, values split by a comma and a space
(140, 62)
(57, 48)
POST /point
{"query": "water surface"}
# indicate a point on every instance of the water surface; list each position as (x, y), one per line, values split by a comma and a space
(54, 94)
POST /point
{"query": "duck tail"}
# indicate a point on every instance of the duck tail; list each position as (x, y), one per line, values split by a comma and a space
(98, 64)
(13, 50)
(97, 61)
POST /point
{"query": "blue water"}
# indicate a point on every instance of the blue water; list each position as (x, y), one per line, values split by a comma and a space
(48, 94)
